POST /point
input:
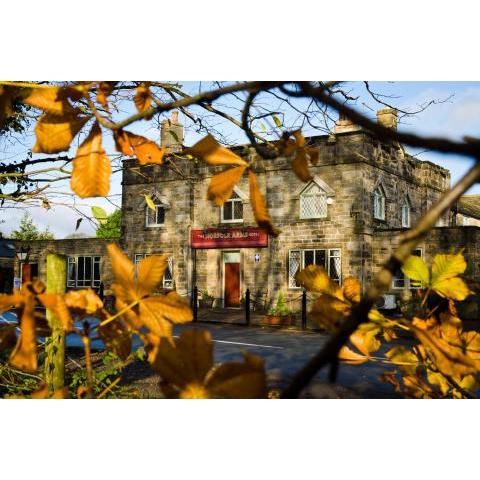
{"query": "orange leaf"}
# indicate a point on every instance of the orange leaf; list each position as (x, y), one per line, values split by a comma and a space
(352, 289)
(143, 97)
(116, 337)
(50, 100)
(104, 90)
(221, 184)
(329, 312)
(122, 267)
(85, 302)
(259, 207)
(55, 134)
(146, 151)
(24, 355)
(300, 166)
(91, 167)
(315, 279)
(210, 151)
(150, 273)
(58, 307)
(349, 356)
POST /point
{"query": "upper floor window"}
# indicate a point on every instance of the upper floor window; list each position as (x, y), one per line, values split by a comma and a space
(406, 209)
(167, 281)
(232, 209)
(155, 218)
(330, 259)
(379, 203)
(313, 202)
(83, 271)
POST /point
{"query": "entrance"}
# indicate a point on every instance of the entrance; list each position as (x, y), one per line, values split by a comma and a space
(29, 271)
(231, 279)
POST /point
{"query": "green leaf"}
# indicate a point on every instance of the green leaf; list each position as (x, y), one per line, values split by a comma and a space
(416, 269)
(100, 214)
(263, 128)
(277, 121)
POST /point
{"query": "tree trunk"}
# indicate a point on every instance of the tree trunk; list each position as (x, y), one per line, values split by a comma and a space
(55, 345)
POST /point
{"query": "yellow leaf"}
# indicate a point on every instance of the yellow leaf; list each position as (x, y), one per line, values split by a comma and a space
(349, 356)
(197, 348)
(85, 302)
(58, 307)
(104, 90)
(365, 341)
(404, 358)
(150, 273)
(454, 288)
(122, 267)
(447, 266)
(221, 185)
(300, 166)
(352, 289)
(91, 167)
(315, 279)
(146, 151)
(329, 312)
(50, 100)
(150, 203)
(55, 134)
(143, 97)
(210, 151)
(259, 207)
(416, 269)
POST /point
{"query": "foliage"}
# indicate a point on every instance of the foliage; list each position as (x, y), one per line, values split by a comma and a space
(207, 296)
(111, 226)
(280, 308)
(29, 231)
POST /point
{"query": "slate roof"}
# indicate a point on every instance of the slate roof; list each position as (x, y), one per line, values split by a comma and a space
(7, 248)
(469, 205)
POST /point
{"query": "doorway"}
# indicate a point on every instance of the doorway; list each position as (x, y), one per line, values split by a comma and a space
(29, 272)
(231, 279)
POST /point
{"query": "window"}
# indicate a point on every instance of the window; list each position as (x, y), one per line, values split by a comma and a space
(402, 281)
(406, 208)
(330, 259)
(232, 209)
(167, 281)
(155, 218)
(313, 202)
(83, 272)
(379, 203)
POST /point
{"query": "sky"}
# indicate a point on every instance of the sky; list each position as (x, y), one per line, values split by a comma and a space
(456, 114)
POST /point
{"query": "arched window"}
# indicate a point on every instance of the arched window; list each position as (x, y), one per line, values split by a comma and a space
(313, 202)
(155, 218)
(232, 209)
(406, 209)
(379, 203)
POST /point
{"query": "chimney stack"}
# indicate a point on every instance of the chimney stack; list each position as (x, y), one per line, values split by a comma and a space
(171, 134)
(387, 117)
(344, 124)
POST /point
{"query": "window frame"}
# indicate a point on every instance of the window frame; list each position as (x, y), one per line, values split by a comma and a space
(321, 194)
(379, 194)
(328, 253)
(406, 207)
(73, 270)
(158, 206)
(232, 200)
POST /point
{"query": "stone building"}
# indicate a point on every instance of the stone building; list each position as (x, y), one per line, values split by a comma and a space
(363, 193)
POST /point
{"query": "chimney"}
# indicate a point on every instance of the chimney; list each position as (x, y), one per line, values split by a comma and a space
(344, 124)
(171, 134)
(387, 117)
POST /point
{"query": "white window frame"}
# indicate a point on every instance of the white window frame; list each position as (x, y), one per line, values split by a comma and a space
(406, 212)
(166, 283)
(379, 203)
(407, 283)
(149, 211)
(72, 262)
(232, 200)
(329, 254)
(321, 195)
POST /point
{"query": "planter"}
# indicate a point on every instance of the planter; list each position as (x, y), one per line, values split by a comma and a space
(280, 320)
(206, 302)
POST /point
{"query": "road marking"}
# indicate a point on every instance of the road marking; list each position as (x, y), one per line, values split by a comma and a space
(244, 344)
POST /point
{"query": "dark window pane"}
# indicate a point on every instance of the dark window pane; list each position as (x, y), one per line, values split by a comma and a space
(96, 270)
(88, 270)
(227, 211)
(320, 258)
(335, 268)
(160, 215)
(81, 269)
(309, 257)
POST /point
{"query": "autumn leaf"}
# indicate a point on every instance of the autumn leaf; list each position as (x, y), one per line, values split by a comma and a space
(8, 337)
(187, 370)
(6, 104)
(143, 97)
(146, 151)
(150, 272)
(415, 268)
(210, 151)
(104, 90)
(347, 355)
(84, 302)
(406, 360)
(222, 184)
(56, 304)
(91, 167)
(259, 207)
(316, 279)
(300, 166)
(352, 289)
(454, 288)
(117, 338)
(328, 312)
(447, 266)
(56, 133)
(24, 355)
(150, 203)
(50, 100)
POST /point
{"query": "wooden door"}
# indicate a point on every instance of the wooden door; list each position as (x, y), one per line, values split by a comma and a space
(26, 272)
(232, 284)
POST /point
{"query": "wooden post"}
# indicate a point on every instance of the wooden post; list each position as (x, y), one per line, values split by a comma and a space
(55, 345)
(304, 309)
(247, 307)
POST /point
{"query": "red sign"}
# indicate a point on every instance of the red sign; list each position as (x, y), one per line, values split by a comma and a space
(229, 237)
